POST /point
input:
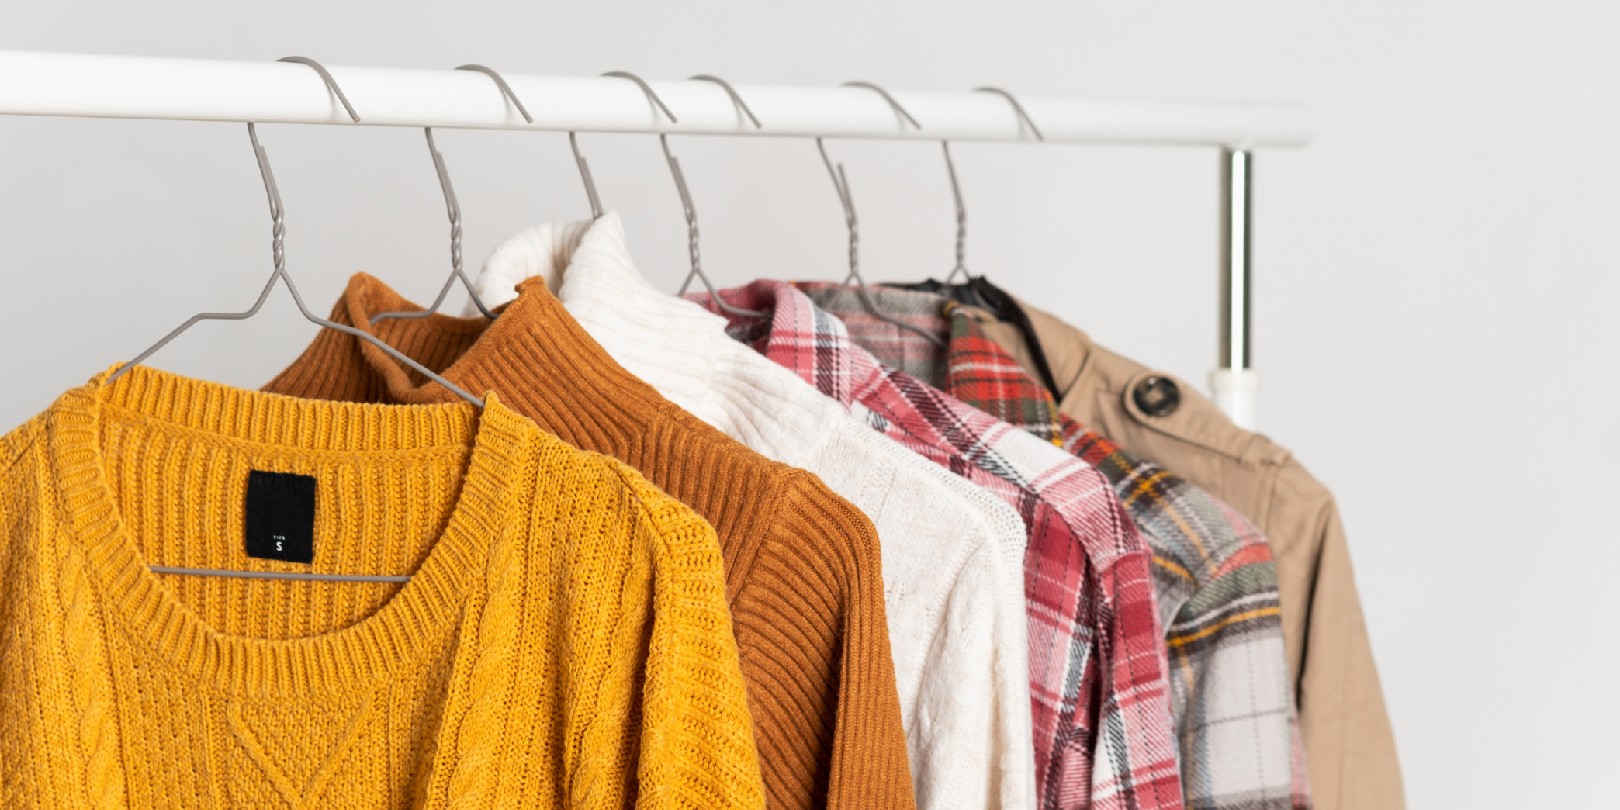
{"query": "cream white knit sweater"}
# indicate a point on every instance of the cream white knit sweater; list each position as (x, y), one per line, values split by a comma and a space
(952, 553)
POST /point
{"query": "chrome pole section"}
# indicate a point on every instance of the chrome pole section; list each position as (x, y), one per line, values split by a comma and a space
(1235, 383)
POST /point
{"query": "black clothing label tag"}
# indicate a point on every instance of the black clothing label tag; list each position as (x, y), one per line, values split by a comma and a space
(280, 522)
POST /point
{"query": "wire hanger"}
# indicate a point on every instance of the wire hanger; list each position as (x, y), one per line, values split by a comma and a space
(956, 185)
(278, 232)
(841, 185)
(686, 195)
(691, 213)
(453, 207)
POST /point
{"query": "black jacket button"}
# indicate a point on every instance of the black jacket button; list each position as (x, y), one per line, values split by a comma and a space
(1157, 396)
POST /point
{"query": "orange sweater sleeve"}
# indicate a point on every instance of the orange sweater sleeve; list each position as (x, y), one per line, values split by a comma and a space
(814, 594)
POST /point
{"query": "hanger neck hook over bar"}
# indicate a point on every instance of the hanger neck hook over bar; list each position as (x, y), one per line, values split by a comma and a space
(647, 90)
(735, 98)
(506, 89)
(573, 138)
(893, 103)
(1018, 107)
(331, 83)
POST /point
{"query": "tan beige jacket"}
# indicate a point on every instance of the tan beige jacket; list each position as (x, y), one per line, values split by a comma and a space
(1348, 740)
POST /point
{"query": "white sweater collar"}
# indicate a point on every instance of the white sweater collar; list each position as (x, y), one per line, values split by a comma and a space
(676, 346)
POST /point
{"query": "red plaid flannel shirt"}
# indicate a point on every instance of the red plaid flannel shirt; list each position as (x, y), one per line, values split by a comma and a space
(1217, 585)
(1100, 698)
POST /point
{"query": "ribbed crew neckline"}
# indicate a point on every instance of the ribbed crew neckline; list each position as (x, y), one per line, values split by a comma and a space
(351, 657)
(534, 333)
(552, 371)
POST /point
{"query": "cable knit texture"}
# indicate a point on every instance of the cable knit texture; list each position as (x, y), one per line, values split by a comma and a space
(803, 569)
(563, 640)
(952, 553)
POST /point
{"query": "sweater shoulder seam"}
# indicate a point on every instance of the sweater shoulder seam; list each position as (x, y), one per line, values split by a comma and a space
(637, 487)
(804, 488)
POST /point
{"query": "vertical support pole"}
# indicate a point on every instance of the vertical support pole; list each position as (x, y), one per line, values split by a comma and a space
(1235, 383)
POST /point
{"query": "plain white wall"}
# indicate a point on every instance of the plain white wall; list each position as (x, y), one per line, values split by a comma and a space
(1437, 275)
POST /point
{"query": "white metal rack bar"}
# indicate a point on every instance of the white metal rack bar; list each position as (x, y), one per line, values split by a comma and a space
(98, 86)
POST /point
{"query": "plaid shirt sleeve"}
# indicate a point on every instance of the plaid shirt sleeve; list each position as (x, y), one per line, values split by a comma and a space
(1236, 724)
(1099, 687)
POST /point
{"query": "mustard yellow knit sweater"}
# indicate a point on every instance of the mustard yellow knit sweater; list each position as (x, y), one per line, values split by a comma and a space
(564, 639)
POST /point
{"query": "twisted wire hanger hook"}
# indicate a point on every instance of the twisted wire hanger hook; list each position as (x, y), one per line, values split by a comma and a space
(863, 294)
(852, 223)
(950, 168)
(453, 209)
(961, 218)
(687, 207)
(841, 180)
(741, 105)
(585, 176)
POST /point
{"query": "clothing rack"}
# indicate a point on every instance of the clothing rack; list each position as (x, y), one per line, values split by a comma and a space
(100, 86)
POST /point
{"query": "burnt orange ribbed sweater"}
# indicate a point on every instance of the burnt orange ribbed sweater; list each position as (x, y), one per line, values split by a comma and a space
(803, 572)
